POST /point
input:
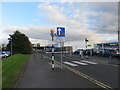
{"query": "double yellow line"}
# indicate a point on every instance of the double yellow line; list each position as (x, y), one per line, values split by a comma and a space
(85, 76)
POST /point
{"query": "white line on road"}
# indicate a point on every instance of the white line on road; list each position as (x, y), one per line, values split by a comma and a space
(71, 64)
(88, 62)
(79, 63)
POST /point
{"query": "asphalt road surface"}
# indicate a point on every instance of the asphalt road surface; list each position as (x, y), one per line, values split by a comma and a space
(38, 73)
(102, 69)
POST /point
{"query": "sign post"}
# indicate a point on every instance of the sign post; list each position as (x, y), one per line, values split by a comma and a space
(61, 37)
(89, 45)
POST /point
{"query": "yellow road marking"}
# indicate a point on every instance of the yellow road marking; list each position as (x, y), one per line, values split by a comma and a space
(85, 76)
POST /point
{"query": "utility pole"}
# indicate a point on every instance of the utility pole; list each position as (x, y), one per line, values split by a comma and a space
(61, 54)
(11, 46)
(119, 42)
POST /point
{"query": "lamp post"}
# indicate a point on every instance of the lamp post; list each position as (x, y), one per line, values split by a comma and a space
(11, 46)
(52, 35)
(119, 43)
(86, 40)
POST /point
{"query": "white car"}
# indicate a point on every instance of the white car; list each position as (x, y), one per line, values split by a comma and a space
(3, 54)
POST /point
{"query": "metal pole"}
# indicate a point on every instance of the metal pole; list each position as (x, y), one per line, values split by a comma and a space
(91, 52)
(118, 43)
(1, 52)
(119, 31)
(11, 46)
(81, 54)
(70, 54)
(61, 54)
(102, 48)
(86, 50)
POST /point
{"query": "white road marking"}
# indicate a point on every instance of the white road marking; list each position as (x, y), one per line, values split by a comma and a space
(79, 63)
(88, 62)
(71, 64)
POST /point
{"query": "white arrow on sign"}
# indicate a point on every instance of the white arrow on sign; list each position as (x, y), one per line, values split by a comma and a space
(59, 30)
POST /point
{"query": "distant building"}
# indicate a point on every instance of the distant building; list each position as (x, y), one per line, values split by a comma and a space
(65, 49)
(111, 45)
(38, 46)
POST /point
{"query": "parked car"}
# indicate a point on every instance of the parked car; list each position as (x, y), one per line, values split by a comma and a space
(109, 53)
(85, 52)
(77, 51)
(3, 55)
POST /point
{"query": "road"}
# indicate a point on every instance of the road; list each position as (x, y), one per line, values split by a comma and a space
(38, 73)
(99, 68)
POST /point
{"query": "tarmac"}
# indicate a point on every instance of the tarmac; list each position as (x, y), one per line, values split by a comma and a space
(38, 73)
(100, 59)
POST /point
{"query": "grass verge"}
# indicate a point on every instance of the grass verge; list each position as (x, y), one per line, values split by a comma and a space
(11, 68)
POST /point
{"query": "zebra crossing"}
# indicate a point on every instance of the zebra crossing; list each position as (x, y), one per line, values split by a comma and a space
(77, 63)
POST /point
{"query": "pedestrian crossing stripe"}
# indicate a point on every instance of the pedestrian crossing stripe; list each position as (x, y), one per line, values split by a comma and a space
(75, 63)
(79, 63)
(88, 62)
(71, 64)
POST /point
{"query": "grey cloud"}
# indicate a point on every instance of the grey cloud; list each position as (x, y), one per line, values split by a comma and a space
(104, 7)
(35, 32)
(104, 23)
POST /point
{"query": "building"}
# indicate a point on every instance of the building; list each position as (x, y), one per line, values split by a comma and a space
(65, 49)
(111, 45)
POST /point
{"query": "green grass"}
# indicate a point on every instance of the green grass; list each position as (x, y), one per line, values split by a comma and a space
(11, 68)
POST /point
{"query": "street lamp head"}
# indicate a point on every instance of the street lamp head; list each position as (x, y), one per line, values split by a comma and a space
(52, 31)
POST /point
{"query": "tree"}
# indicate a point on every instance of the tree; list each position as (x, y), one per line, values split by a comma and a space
(3, 47)
(20, 43)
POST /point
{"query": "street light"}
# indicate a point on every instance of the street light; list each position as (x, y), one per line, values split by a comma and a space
(119, 42)
(86, 40)
(11, 46)
(52, 35)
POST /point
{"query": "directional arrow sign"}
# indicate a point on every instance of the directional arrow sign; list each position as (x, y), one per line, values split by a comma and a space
(61, 31)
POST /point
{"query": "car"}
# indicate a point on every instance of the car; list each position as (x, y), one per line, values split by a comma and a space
(111, 53)
(3, 55)
(77, 51)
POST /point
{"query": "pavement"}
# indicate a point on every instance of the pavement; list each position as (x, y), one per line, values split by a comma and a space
(38, 73)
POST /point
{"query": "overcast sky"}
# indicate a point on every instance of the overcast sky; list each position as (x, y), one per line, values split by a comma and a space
(98, 21)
